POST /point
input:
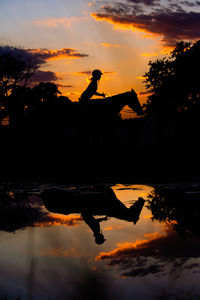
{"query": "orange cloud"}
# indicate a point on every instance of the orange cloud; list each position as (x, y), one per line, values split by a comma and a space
(149, 54)
(118, 24)
(166, 50)
(53, 22)
(49, 54)
(140, 77)
(109, 45)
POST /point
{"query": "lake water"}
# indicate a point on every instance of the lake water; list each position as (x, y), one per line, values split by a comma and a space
(49, 255)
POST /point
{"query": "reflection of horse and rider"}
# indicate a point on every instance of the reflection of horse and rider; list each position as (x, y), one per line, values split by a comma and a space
(111, 105)
(131, 214)
(98, 201)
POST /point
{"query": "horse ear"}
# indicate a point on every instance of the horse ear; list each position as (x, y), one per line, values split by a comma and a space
(132, 91)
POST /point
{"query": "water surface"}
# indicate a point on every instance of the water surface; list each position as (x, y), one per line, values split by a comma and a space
(49, 255)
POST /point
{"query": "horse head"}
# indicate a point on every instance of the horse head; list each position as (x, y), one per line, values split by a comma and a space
(134, 103)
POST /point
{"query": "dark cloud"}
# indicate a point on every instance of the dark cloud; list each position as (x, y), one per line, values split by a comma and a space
(152, 269)
(109, 72)
(40, 55)
(47, 76)
(145, 2)
(90, 72)
(44, 76)
(172, 22)
(21, 54)
(122, 9)
(189, 3)
(158, 266)
(144, 93)
(84, 73)
(64, 85)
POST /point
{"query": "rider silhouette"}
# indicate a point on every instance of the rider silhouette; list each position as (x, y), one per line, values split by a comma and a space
(91, 90)
(94, 225)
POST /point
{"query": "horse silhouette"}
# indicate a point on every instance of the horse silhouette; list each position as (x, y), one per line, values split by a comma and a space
(111, 107)
(100, 110)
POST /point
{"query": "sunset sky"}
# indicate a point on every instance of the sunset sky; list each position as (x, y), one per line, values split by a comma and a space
(117, 37)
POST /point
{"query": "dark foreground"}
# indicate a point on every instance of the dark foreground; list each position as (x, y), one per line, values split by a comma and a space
(122, 150)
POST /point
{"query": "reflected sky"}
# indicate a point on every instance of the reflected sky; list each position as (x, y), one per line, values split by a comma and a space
(56, 257)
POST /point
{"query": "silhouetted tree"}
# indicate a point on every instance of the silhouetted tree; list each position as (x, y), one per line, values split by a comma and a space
(15, 71)
(174, 81)
(17, 104)
(47, 92)
(64, 100)
(16, 68)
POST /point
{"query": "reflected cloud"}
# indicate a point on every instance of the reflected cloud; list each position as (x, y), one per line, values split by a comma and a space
(144, 93)
(147, 216)
(108, 228)
(59, 252)
(57, 220)
(154, 255)
(159, 245)
(127, 188)
(19, 210)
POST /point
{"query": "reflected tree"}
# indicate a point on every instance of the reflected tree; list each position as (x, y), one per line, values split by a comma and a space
(178, 208)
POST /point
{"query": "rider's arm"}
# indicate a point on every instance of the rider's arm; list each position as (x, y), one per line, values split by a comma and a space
(102, 219)
(99, 94)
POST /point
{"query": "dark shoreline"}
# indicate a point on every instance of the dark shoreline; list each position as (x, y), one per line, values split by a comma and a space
(117, 153)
